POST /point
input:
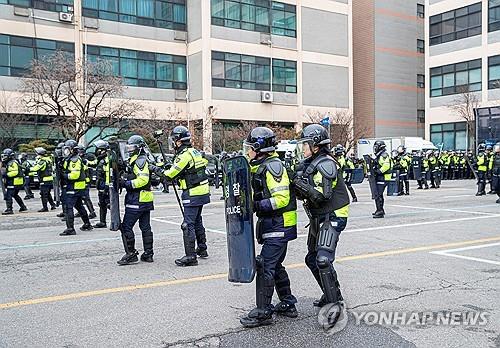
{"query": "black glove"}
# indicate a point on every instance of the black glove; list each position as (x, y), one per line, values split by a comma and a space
(305, 190)
(122, 183)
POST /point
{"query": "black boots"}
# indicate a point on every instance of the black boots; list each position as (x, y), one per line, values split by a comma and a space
(102, 218)
(188, 260)
(68, 232)
(147, 256)
(130, 256)
(263, 314)
(202, 253)
(285, 309)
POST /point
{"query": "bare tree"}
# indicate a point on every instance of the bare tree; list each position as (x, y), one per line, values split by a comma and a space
(156, 121)
(342, 130)
(53, 86)
(463, 105)
(10, 119)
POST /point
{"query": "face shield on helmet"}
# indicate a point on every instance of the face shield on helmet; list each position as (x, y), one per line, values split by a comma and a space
(496, 148)
(4, 157)
(66, 152)
(304, 149)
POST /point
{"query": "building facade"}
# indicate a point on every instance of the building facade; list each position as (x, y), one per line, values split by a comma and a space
(226, 60)
(388, 46)
(462, 64)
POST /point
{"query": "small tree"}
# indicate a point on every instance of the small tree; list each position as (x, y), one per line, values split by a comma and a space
(30, 147)
(82, 96)
(342, 130)
(464, 105)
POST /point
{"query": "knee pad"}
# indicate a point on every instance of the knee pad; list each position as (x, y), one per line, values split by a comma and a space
(323, 262)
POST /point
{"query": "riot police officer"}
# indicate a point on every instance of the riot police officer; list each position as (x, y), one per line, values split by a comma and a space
(403, 160)
(89, 161)
(138, 203)
(434, 168)
(189, 169)
(346, 168)
(43, 168)
(161, 164)
(482, 168)
(13, 177)
(25, 165)
(103, 179)
(320, 185)
(424, 168)
(496, 170)
(59, 159)
(276, 208)
(490, 160)
(383, 173)
(75, 181)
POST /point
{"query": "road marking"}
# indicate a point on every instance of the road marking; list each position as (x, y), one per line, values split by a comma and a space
(457, 196)
(180, 223)
(413, 224)
(440, 209)
(84, 294)
(451, 253)
(177, 205)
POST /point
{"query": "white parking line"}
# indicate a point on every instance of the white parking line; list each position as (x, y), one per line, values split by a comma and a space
(440, 209)
(180, 223)
(416, 224)
(450, 253)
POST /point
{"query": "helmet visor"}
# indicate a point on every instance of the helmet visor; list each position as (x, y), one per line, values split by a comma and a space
(304, 149)
(66, 151)
(130, 148)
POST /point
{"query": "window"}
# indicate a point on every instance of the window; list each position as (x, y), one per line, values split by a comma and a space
(420, 46)
(456, 78)
(167, 14)
(284, 76)
(256, 15)
(451, 135)
(143, 69)
(241, 71)
(421, 116)
(420, 81)
(17, 52)
(494, 72)
(249, 72)
(48, 5)
(420, 10)
(455, 25)
(494, 15)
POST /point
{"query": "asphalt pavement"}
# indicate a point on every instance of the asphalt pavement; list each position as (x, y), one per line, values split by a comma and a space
(436, 255)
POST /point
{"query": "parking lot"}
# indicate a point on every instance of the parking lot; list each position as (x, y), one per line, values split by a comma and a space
(437, 251)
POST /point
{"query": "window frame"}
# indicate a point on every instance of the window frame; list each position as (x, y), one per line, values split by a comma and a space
(155, 20)
(420, 10)
(420, 46)
(137, 58)
(420, 80)
(47, 5)
(444, 73)
(270, 6)
(456, 127)
(450, 18)
(493, 25)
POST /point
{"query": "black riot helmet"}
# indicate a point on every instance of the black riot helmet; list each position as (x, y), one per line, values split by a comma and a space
(23, 156)
(70, 148)
(135, 144)
(315, 135)
(101, 148)
(339, 150)
(40, 151)
(59, 150)
(80, 149)
(7, 155)
(379, 146)
(481, 148)
(401, 149)
(179, 133)
(261, 140)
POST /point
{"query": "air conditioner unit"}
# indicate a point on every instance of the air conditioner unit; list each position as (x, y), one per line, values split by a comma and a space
(266, 97)
(66, 17)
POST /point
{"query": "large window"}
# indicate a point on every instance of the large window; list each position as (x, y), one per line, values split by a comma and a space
(452, 136)
(284, 76)
(48, 5)
(248, 72)
(143, 69)
(17, 52)
(494, 15)
(454, 25)
(420, 10)
(168, 14)
(256, 15)
(494, 72)
(420, 46)
(456, 78)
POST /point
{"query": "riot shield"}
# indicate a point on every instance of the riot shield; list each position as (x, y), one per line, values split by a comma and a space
(371, 175)
(393, 184)
(2, 184)
(57, 182)
(438, 174)
(416, 164)
(239, 220)
(114, 192)
(357, 176)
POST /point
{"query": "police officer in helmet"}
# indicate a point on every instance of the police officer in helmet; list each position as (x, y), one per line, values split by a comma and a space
(103, 178)
(189, 169)
(76, 183)
(495, 180)
(346, 167)
(383, 173)
(43, 167)
(138, 203)
(276, 208)
(320, 185)
(13, 176)
(482, 168)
